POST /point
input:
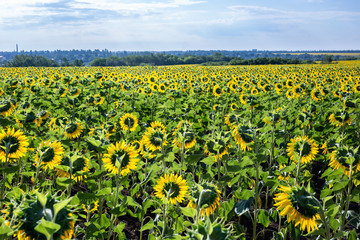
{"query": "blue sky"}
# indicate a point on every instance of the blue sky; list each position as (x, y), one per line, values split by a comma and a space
(161, 25)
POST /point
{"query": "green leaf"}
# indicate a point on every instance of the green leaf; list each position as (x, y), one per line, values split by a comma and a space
(209, 160)
(157, 211)
(352, 235)
(5, 230)
(243, 206)
(149, 225)
(264, 218)
(60, 205)
(105, 221)
(189, 212)
(170, 157)
(340, 185)
(131, 202)
(63, 181)
(42, 199)
(47, 228)
(10, 170)
(334, 224)
(120, 227)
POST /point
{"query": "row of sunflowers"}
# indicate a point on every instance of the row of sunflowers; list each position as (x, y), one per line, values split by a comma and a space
(180, 152)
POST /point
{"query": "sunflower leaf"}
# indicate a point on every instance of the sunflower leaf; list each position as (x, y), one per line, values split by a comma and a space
(42, 199)
(243, 206)
(149, 225)
(47, 228)
(188, 212)
(60, 205)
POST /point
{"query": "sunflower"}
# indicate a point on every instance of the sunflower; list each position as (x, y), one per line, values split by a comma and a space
(79, 167)
(184, 134)
(299, 205)
(272, 117)
(73, 130)
(13, 144)
(316, 94)
(154, 139)
(217, 90)
(340, 118)
(243, 136)
(49, 154)
(129, 122)
(98, 100)
(233, 106)
(34, 212)
(209, 200)
(171, 187)
(120, 158)
(254, 91)
(302, 147)
(231, 119)
(158, 125)
(74, 92)
(216, 107)
(243, 99)
(338, 160)
(162, 88)
(6, 108)
(209, 149)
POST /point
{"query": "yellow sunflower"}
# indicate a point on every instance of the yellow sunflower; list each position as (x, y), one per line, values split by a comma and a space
(338, 160)
(158, 125)
(79, 167)
(303, 147)
(184, 134)
(13, 144)
(6, 108)
(154, 139)
(98, 100)
(217, 90)
(129, 122)
(299, 205)
(120, 158)
(171, 187)
(209, 148)
(233, 106)
(231, 120)
(49, 154)
(340, 118)
(209, 200)
(73, 130)
(243, 136)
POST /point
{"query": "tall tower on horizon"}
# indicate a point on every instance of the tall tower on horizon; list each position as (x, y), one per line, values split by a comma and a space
(17, 48)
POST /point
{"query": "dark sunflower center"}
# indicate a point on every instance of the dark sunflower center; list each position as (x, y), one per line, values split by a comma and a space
(317, 94)
(129, 122)
(156, 138)
(5, 106)
(233, 119)
(340, 117)
(10, 142)
(172, 189)
(48, 154)
(79, 164)
(233, 107)
(122, 156)
(71, 128)
(303, 202)
(306, 148)
(218, 90)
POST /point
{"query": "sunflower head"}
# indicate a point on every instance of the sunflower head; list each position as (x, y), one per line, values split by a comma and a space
(49, 154)
(129, 122)
(79, 166)
(231, 120)
(243, 136)
(217, 91)
(121, 158)
(299, 205)
(171, 187)
(36, 211)
(13, 144)
(6, 108)
(206, 196)
(302, 147)
(340, 118)
(184, 134)
(73, 130)
(154, 138)
(342, 157)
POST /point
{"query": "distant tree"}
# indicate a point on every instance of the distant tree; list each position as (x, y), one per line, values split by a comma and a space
(78, 63)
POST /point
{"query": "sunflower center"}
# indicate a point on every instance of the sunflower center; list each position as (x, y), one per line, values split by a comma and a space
(218, 90)
(71, 128)
(48, 154)
(303, 202)
(306, 148)
(79, 164)
(172, 189)
(157, 138)
(129, 122)
(11, 143)
(5, 106)
(120, 156)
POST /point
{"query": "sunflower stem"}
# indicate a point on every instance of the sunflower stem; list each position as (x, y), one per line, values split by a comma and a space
(347, 201)
(299, 164)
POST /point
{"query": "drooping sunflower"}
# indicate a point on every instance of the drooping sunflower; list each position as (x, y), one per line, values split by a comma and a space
(217, 90)
(80, 166)
(154, 139)
(338, 160)
(31, 216)
(98, 100)
(6, 108)
(209, 200)
(120, 158)
(129, 122)
(49, 154)
(74, 92)
(171, 187)
(209, 148)
(303, 147)
(13, 144)
(73, 130)
(316, 94)
(184, 131)
(299, 205)
(340, 118)
(243, 136)
(231, 120)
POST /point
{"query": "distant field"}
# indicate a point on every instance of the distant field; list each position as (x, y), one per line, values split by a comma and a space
(327, 53)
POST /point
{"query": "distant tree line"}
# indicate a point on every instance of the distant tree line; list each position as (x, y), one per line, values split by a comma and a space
(166, 59)
(40, 61)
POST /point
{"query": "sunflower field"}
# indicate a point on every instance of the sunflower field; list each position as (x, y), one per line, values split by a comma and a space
(180, 152)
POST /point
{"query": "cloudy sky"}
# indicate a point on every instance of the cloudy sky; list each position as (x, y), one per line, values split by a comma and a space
(159, 25)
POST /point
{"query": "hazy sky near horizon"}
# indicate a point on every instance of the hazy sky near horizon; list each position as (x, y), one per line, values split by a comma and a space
(162, 25)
